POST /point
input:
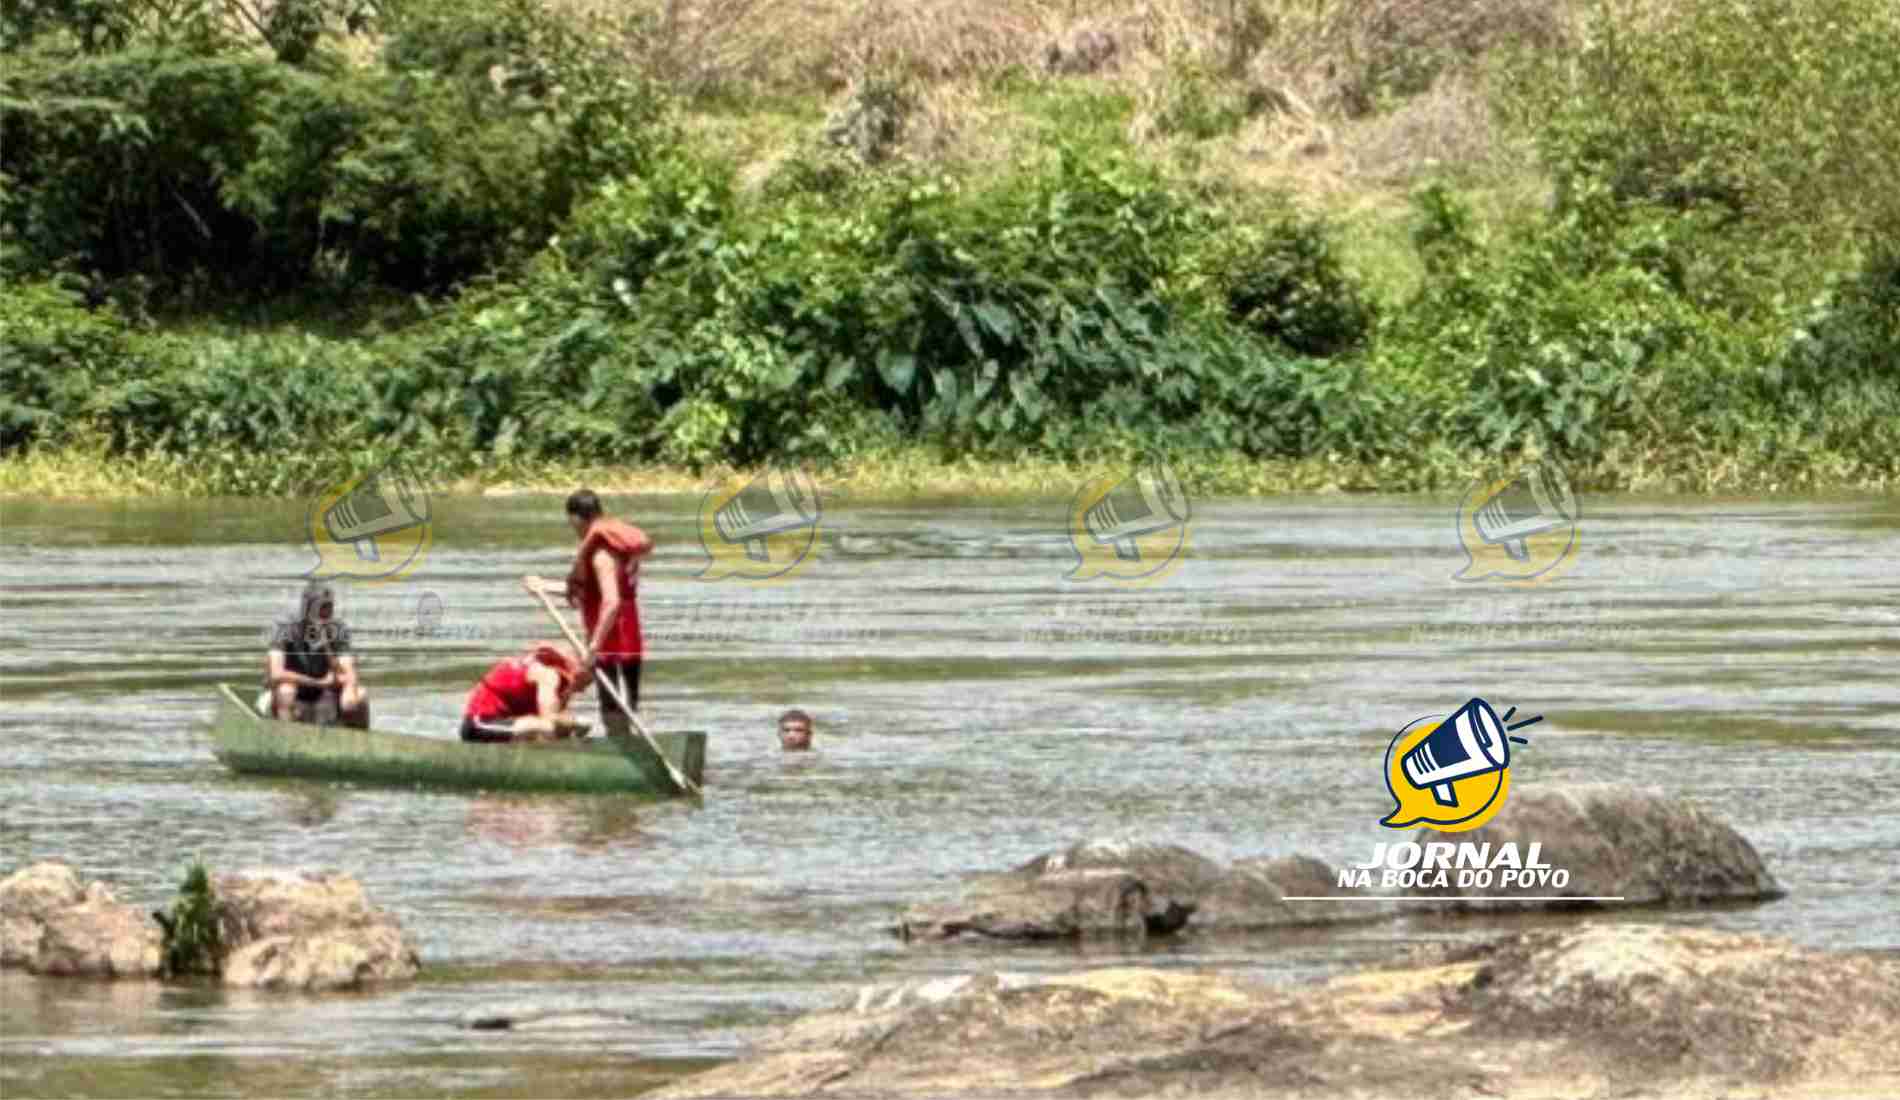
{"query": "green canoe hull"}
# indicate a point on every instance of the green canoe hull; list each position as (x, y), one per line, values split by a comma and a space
(251, 745)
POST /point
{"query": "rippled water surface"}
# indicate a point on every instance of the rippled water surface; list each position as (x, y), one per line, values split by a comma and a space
(974, 708)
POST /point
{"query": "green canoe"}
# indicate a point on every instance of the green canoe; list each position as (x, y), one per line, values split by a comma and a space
(252, 745)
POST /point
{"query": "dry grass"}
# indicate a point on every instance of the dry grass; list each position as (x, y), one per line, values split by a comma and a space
(1346, 96)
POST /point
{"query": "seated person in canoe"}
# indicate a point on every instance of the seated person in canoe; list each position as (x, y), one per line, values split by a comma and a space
(525, 698)
(310, 674)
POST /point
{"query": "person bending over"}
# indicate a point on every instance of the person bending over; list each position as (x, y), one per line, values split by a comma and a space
(525, 698)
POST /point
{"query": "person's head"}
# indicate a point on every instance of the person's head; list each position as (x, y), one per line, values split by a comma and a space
(560, 657)
(794, 731)
(583, 508)
(319, 603)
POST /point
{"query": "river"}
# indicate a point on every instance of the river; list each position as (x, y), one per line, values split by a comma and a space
(975, 707)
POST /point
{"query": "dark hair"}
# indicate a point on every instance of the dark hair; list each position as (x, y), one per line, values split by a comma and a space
(583, 504)
(795, 716)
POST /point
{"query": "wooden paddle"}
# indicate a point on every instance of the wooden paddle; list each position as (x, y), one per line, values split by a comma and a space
(608, 685)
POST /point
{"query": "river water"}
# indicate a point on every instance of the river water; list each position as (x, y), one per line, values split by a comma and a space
(975, 708)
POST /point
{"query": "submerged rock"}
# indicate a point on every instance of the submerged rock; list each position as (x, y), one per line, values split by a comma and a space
(308, 930)
(51, 923)
(1592, 1010)
(1610, 841)
(1131, 888)
(539, 1017)
(1641, 845)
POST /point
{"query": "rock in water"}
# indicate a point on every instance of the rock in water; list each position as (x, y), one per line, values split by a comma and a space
(1595, 1010)
(1116, 887)
(1615, 840)
(51, 924)
(1062, 905)
(308, 930)
(538, 1017)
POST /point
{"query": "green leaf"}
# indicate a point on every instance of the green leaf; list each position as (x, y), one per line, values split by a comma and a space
(898, 369)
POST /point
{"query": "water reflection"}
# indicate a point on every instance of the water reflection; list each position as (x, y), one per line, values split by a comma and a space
(528, 822)
(312, 805)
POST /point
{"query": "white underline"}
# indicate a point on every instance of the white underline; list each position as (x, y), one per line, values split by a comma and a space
(1453, 897)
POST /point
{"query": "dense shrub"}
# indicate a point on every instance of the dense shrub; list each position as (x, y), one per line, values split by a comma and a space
(55, 355)
(1768, 119)
(462, 156)
(1285, 281)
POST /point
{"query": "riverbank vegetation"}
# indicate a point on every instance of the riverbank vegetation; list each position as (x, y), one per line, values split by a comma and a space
(1360, 244)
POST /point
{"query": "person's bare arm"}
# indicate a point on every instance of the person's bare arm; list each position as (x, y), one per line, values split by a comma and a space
(550, 718)
(547, 693)
(603, 564)
(344, 670)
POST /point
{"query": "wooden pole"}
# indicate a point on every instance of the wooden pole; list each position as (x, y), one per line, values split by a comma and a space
(613, 689)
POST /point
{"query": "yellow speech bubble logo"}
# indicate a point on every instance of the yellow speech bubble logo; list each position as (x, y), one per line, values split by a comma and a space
(374, 527)
(1131, 528)
(1520, 529)
(1451, 772)
(760, 529)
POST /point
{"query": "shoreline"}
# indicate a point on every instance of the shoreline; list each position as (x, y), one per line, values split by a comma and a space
(913, 476)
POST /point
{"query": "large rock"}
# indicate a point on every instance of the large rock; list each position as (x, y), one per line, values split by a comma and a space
(52, 924)
(1638, 844)
(307, 930)
(1252, 895)
(1589, 1011)
(1060, 905)
(1114, 887)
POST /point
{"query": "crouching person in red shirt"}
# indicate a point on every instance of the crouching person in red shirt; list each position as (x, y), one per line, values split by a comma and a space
(525, 698)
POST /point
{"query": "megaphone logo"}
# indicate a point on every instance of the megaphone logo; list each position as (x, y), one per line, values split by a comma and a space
(1132, 528)
(375, 527)
(1522, 528)
(761, 529)
(1452, 771)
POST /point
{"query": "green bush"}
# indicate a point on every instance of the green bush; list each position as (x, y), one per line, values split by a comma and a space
(55, 356)
(1770, 117)
(202, 156)
(193, 941)
(1285, 282)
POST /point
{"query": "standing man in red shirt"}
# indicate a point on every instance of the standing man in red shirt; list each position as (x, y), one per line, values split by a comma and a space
(604, 584)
